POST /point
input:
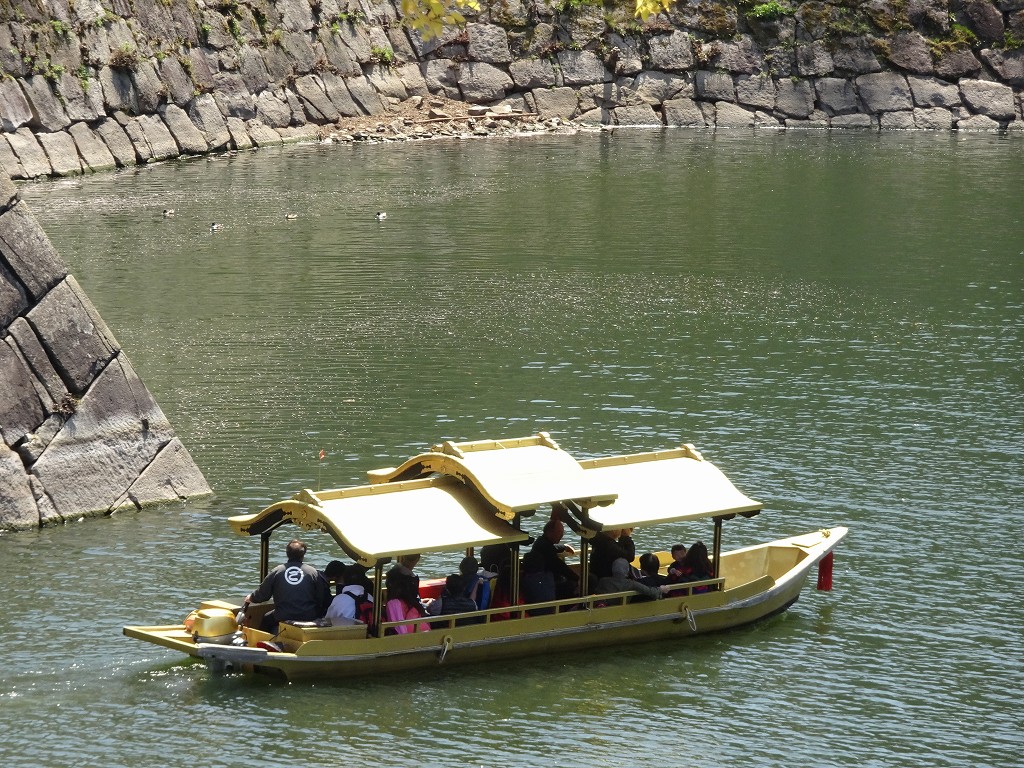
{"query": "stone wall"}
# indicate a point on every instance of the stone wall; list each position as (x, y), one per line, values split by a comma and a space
(80, 434)
(95, 84)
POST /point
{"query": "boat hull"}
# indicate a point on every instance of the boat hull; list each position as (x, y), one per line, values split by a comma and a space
(759, 582)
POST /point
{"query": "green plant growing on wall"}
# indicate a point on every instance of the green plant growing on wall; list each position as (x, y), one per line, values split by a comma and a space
(383, 56)
(768, 11)
(83, 77)
(236, 30)
(959, 38)
(1011, 41)
(61, 28)
(48, 70)
(125, 57)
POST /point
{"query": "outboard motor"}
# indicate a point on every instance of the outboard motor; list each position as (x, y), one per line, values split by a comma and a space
(214, 625)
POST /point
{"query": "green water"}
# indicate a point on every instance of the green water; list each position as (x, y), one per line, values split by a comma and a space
(834, 319)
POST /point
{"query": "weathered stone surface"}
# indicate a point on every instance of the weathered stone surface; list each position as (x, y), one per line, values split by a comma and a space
(272, 111)
(61, 152)
(13, 300)
(161, 142)
(672, 52)
(299, 50)
(233, 97)
(205, 115)
(582, 68)
(933, 119)
(20, 408)
(795, 98)
(190, 140)
(79, 342)
(295, 15)
(239, 135)
(117, 142)
(119, 91)
(977, 123)
(367, 98)
(909, 50)
(80, 104)
(171, 476)
(852, 121)
(148, 88)
(114, 434)
(133, 129)
(728, 115)
(837, 95)
(1009, 65)
(91, 149)
(658, 87)
(885, 92)
(533, 73)
(932, 92)
(15, 110)
(28, 252)
(387, 82)
(556, 102)
(9, 163)
(412, 79)
(714, 86)
(180, 88)
(756, 91)
(609, 95)
(993, 100)
(18, 511)
(253, 69)
(625, 56)
(441, 77)
(29, 153)
(482, 83)
(47, 111)
(339, 95)
(896, 121)
(32, 352)
(814, 60)
(8, 192)
(740, 55)
(261, 135)
(340, 55)
(853, 56)
(641, 114)
(318, 107)
(488, 43)
(982, 18)
(683, 113)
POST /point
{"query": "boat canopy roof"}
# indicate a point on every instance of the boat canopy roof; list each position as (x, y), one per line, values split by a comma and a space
(461, 495)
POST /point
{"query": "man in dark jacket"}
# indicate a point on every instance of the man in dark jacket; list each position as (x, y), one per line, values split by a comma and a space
(547, 555)
(299, 591)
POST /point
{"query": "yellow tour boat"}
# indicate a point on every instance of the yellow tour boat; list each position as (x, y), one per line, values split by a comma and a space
(462, 497)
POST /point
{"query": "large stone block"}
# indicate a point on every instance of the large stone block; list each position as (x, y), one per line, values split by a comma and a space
(932, 92)
(683, 113)
(387, 82)
(528, 74)
(180, 88)
(637, 115)
(115, 432)
(657, 87)
(741, 55)
(61, 152)
(75, 336)
(35, 357)
(885, 92)
(21, 410)
(189, 139)
(714, 86)
(319, 108)
(993, 100)
(29, 153)
(18, 511)
(367, 98)
(119, 92)
(339, 95)
(672, 52)
(171, 476)
(161, 142)
(728, 115)
(28, 252)
(80, 103)
(482, 83)
(10, 166)
(795, 98)
(582, 68)
(756, 91)
(205, 113)
(15, 110)
(837, 96)
(47, 111)
(1009, 65)
(117, 142)
(488, 43)
(233, 97)
(556, 102)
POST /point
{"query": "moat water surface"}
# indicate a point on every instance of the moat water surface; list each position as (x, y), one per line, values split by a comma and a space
(834, 319)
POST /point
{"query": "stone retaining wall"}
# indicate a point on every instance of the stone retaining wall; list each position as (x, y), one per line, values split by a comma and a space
(80, 434)
(96, 84)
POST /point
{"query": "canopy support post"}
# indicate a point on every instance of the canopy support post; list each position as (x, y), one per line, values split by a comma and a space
(264, 555)
(378, 594)
(717, 548)
(584, 566)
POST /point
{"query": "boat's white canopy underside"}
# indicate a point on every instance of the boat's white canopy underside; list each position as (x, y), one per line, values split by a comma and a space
(462, 495)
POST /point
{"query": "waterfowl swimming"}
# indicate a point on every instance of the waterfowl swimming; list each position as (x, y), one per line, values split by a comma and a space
(291, 216)
(215, 227)
(168, 212)
(381, 215)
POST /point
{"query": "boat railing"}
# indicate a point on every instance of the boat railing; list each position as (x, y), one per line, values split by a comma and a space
(547, 607)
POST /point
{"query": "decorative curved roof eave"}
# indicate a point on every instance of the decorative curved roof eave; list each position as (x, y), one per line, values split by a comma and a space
(515, 475)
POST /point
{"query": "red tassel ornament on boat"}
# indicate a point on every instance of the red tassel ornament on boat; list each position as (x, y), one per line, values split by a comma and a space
(825, 572)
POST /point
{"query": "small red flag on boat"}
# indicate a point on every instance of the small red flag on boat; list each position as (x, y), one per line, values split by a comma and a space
(323, 454)
(825, 572)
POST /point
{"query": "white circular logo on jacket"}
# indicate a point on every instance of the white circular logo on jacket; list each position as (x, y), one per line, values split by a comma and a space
(293, 575)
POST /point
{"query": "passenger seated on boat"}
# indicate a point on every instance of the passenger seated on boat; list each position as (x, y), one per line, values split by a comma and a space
(620, 581)
(497, 558)
(548, 551)
(454, 600)
(650, 566)
(536, 585)
(696, 566)
(404, 567)
(403, 603)
(477, 582)
(334, 575)
(607, 547)
(299, 591)
(354, 600)
(675, 569)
